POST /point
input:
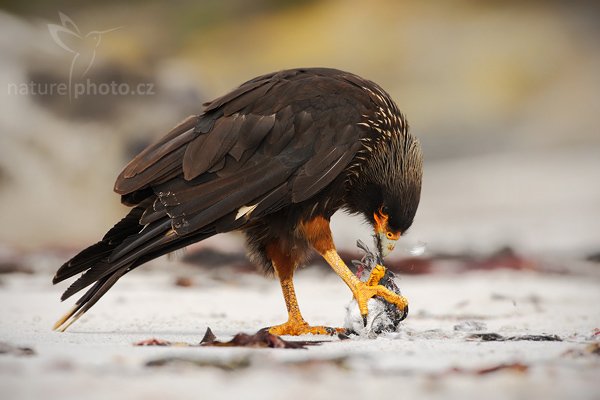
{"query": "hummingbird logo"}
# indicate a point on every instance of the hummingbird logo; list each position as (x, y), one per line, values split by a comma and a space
(83, 47)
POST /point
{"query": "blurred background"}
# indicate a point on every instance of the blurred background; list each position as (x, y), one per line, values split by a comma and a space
(504, 96)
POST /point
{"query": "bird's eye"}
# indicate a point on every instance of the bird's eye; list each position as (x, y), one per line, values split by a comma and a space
(385, 210)
(390, 235)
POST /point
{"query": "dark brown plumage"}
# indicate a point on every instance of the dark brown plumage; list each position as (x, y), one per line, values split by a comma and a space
(275, 158)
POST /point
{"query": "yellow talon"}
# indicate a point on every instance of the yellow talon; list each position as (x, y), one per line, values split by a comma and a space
(297, 327)
(377, 273)
(363, 292)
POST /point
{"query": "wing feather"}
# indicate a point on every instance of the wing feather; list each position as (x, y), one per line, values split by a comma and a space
(193, 215)
(178, 136)
(320, 171)
(205, 151)
(163, 168)
(254, 131)
(249, 151)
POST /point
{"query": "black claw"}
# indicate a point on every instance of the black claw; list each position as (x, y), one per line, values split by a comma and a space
(404, 314)
(364, 321)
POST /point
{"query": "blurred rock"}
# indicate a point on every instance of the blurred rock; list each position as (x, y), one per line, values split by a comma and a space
(59, 156)
(502, 96)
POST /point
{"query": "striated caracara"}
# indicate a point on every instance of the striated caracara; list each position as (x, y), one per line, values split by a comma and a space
(275, 159)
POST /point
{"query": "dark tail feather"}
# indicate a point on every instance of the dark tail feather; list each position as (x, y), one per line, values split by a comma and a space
(124, 248)
(103, 275)
(149, 240)
(87, 258)
(88, 300)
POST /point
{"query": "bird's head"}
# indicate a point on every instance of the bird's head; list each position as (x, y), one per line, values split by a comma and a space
(388, 189)
(391, 213)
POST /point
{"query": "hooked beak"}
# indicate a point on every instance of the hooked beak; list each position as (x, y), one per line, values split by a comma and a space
(386, 239)
(386, 243)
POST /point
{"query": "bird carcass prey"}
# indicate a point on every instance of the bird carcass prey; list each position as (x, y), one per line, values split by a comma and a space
(383, 316)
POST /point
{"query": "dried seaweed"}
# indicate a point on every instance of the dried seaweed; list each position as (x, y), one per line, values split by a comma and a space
(515, 367)
(6, 348)
(261, 339)
(248, 360)
(592, 349)
(225, 365)
(184, 281)
(209, 336)
(153, 342)
(495, 337)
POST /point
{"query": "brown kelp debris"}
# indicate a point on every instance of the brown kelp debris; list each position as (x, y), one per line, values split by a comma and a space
(590, 349)
(209, 336)
(6, 348)
(515, 367)
(593, 348)
(184, 281)
(261, 339)
(495, 337)
(153, 342)
(226, 365)
(213, 258)
(400, 265)
(594, 257)
(503, 258)
(249, 360)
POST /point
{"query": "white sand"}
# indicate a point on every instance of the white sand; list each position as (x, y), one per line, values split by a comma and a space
(96, 358)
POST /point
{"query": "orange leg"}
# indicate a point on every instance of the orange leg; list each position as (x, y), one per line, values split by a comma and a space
(319, 235)
(284, 267)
